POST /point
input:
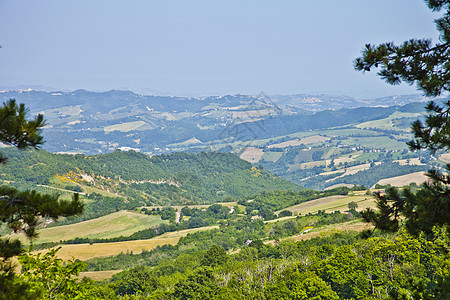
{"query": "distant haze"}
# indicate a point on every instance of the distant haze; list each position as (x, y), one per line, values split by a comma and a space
(196, 48)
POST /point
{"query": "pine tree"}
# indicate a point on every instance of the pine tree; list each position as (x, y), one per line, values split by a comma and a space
(22, 210)
(427, 65)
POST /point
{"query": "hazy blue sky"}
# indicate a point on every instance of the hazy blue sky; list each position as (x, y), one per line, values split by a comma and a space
(203, 47)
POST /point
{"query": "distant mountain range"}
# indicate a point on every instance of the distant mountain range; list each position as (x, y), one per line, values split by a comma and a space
(324, 102)
(99, 122)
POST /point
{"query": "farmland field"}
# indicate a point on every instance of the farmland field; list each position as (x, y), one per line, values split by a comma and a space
(271, 156)
(418, 178)
(113, 225)
(296, 142)
(332, 203)
(252, 154)
(87, 251)
(330, 229)
(125, 127)
(388, 123)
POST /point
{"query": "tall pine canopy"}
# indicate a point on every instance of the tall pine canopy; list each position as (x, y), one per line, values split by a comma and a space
(22, 210)
(428, 65)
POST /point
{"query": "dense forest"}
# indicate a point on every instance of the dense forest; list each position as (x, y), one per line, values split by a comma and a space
(178, 178)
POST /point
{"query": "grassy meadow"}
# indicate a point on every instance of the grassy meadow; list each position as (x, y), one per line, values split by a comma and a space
(112, 225)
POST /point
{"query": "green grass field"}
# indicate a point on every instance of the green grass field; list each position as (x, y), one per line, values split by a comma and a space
(113, 225)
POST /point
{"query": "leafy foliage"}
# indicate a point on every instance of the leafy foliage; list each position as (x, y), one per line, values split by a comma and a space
(51, 276)
(16, 130)
(435, 134)
(336, 266)
(22, 210)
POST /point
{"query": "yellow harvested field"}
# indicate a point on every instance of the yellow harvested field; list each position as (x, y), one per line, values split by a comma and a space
(312, 203)
(314, 139)
(338, 185)
(412, 161)
(356, 169)
(331, 172)
(344, 159)
(332, 203)
(252, 154)
(87, 251)
(342, 204)
(191, 141)
(99, 275)
(418, 178)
